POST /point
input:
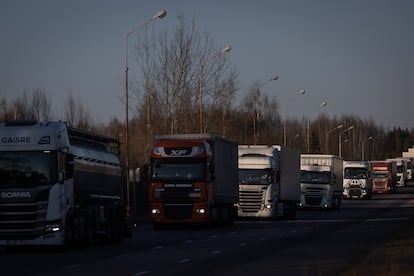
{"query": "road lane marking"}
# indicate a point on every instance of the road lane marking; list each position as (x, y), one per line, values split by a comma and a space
(142, 273)
(157, 247)
(216, 252)
(72, 266)
(183, 261)
(387, 219)
(242, 244)
(352, 220)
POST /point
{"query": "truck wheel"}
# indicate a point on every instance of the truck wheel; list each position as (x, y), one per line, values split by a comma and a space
(157, 226)
(214, 217)
(228, 215)
(336, 203)
(119, 226)
(69, 234)
(289, 211)
(88, 236)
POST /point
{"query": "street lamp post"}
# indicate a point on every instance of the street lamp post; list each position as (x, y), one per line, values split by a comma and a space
(340, 139)
(362, 147)
(322, 104)
(256, 114)
(160, 14)
(327, 136)
(301, 92)
(202, 64)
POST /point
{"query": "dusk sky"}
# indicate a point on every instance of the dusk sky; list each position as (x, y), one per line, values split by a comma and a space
(357, 55)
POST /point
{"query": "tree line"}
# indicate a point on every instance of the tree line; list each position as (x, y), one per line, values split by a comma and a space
(174, 69)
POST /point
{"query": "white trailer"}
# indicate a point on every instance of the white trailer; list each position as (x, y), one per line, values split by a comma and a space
(409, 161)
(357, 180)
(59, 186)
(269, 181)
(401, 170)
(321, 181)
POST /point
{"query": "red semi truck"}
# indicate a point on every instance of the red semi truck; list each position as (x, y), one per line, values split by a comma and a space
(194, 180)
(383, 174)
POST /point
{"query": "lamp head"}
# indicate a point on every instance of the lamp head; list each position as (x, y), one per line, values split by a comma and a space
(160, 14)
(226, 48)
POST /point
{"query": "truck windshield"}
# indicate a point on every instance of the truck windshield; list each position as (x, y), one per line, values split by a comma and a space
(254, 176)
(315, 177)
(27, 168)
(178, 171)
(355, 173)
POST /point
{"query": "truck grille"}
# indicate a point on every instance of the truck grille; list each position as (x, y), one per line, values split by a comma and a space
(313, 200)
(178, 211)
(355, 191)
(177, 194)
(380, 185)
(251, 201)
(178, 204)
(22, 220)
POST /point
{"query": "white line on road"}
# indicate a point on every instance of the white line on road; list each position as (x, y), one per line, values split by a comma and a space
(216, 252)
(352, 220)
(142, 273)
(183, 261)
(72, 266)
(157, 247)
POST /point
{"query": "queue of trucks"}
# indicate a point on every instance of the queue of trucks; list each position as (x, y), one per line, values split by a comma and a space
(61, 186)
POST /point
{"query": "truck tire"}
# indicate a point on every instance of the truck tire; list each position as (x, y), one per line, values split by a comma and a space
(289, 211)
(69, 234)
(228, 215)
(214, 216)
(119, 226)
(336, 202)
(88, 236)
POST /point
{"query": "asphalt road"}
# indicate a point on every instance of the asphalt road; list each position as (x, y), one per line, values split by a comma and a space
(315, 243)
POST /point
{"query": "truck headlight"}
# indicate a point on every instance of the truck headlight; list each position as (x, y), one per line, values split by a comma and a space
(155, 211)
(53, 227)
(200, 211)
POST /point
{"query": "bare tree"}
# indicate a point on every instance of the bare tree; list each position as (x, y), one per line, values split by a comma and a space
(40, 106)
(170, 72)
(76, 115)
(5, 112)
